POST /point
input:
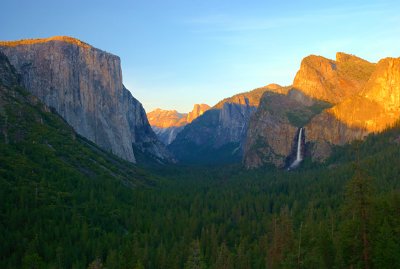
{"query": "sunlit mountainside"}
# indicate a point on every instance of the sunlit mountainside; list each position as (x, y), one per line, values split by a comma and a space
(297, 176)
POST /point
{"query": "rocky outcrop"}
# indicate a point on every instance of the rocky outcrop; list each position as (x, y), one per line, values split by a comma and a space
(233, 121)
(375, 108)
(168, 123)
(325, 130)
(378, 104)
(218, 135)
(365, 98)
(196, 112)
(332, 81)
(84, 85)
(272, 129)
(253, 96)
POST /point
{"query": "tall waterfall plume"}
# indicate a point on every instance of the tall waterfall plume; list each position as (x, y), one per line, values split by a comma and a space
(299, 158)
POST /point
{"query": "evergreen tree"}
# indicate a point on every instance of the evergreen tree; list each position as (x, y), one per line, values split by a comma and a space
(386, 249)
(224, 259)
(357, 225)
(195, 259)
(282, 242)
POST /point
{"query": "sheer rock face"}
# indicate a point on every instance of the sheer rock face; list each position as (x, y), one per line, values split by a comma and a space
(168, 123)
(332, 81)
(375, 108)
(378, 104)
(364, 98)
(272, 129)
(167, 135)
(84, 85)
(220, 132)
(233, 121)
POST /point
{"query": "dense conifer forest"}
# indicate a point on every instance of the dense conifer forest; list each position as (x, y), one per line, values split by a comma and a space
(64, 203)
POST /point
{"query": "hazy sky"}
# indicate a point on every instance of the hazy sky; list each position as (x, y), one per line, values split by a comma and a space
(177, 53)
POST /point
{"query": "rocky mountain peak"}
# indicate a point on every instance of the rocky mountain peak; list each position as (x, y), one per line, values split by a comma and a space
(273, 86)
(342, 57)
(198, 110)
(168, 123)
(171, 118)
(332, 81)
(378, 104)
(166, 118)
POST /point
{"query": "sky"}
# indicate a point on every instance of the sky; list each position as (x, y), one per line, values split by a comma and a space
(178, 53)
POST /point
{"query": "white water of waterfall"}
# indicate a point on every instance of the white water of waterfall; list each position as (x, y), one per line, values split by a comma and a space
(298, 154)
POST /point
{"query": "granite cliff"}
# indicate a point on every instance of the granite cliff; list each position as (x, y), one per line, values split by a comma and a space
(84, 86)
(375, 108)
(335, 101)
(168, 123)
(332, 81)
(272, 130)
(378, 104)
(197, 111)
(218, 135)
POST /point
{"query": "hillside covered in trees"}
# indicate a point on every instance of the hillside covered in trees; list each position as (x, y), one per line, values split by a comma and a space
(65, 203)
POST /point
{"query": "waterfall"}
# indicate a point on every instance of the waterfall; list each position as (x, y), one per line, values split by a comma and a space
(298, 153)
(298, 156)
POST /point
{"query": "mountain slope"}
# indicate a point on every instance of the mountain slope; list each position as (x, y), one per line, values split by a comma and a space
(360, 98)
(60, 194)
(37, 136)
(272, 132)
(84, 85)
(218, 135)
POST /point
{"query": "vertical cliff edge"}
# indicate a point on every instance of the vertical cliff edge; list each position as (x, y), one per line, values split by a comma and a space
(84, 85)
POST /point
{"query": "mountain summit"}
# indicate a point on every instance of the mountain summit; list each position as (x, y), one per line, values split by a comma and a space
(168, 123)
(332, 102)
(332, 81)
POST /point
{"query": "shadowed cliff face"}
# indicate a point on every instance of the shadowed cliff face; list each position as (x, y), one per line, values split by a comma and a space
(378, 104)
(84, 85)
(215, 137)
(375, 108)
(270, 137)
(364, 98)
(218, 135)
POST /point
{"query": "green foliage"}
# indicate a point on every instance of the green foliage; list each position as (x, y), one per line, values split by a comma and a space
(301, 116)
(64, 203)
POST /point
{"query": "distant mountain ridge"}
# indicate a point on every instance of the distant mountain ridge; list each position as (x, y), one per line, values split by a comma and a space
(168, 123)
(84, 85)
(218, 135)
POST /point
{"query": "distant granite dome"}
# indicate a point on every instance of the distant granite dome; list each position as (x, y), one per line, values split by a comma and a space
(168, 123)
(84, 85)
(166, 118)
(196, 112)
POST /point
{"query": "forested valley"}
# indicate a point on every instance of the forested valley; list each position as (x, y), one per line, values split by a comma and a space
(66, 203)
